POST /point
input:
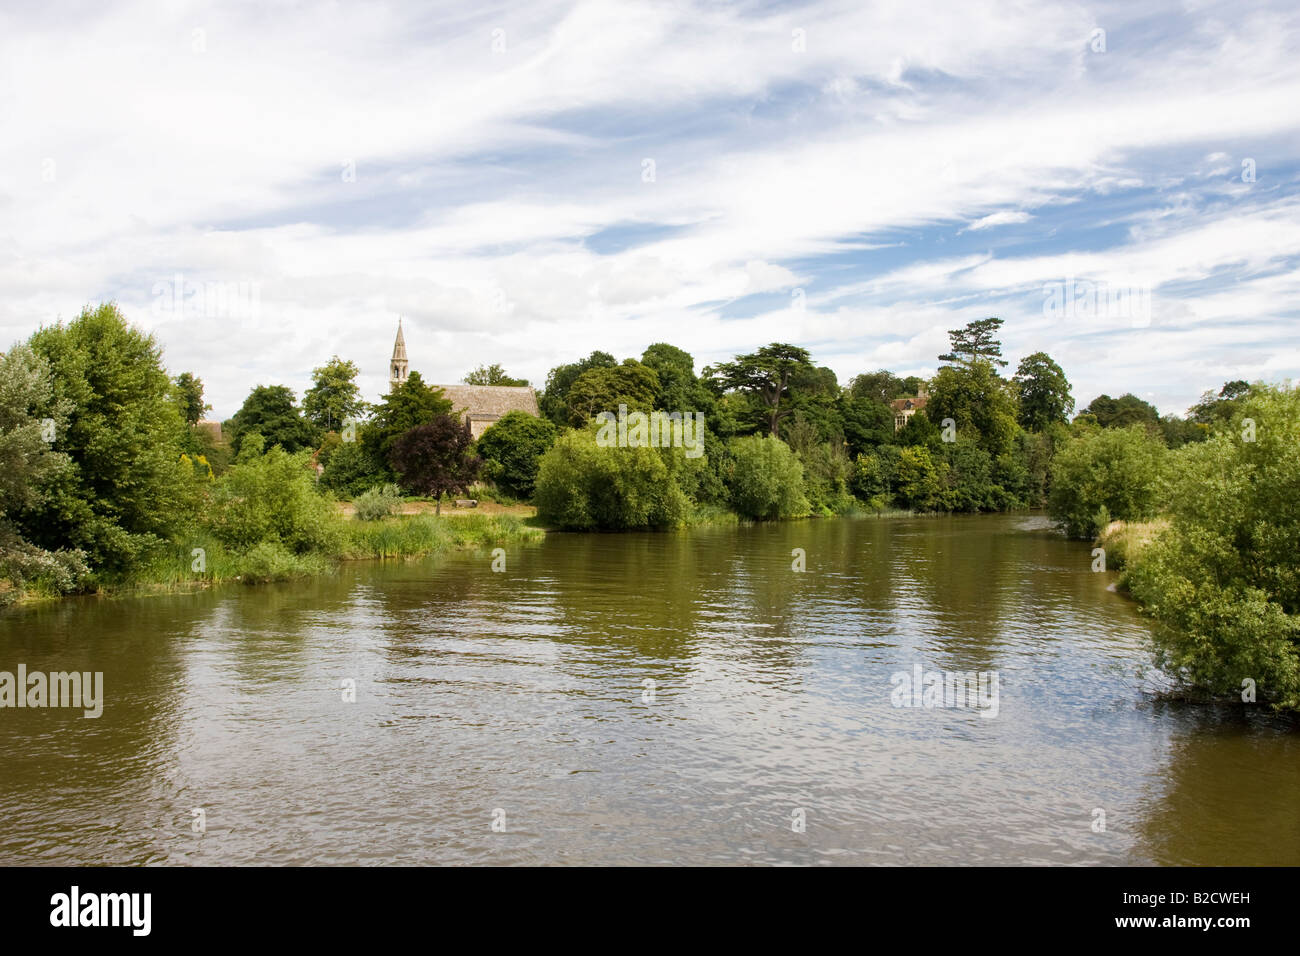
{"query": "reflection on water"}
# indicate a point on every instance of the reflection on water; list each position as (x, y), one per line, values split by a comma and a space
(647, 698)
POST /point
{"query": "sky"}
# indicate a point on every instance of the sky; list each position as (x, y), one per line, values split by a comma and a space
(264, 185)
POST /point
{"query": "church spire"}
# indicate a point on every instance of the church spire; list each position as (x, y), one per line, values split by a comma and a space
(398, 368)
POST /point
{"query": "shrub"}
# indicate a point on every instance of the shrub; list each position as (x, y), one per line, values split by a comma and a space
(379, 502)
(1119, 469)
(1223, 581)
(273, 497)
(512, 448)
(350, 470)
(765, 479)
(584, 486)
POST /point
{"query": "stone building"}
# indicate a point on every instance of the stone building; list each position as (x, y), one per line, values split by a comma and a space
(905, 408)
(480, 404)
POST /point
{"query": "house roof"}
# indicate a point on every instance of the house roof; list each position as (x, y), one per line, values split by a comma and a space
(491, 401)
(903, 404)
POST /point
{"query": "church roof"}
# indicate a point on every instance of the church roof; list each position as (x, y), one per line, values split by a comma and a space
(492, 401)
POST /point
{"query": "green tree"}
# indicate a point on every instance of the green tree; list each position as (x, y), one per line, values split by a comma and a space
(493, 374)
(270, 410)
(1044, 392)
(436, 459)
(1122, 412)
(29, 419)
(766, 376)
(189, 392)
(271, 498)
(605, 389)
(125, 491)
(351, 470)
(978, 342)
(1214, 409)
(554, 402)
(765, 479)
(979, 401)
(334, 397)
(921, 483)
(1105, 474)
(410, 404)
(1223, 581)
(512, 448)
(583, 485)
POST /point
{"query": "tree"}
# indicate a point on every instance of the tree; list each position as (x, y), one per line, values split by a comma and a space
(124, 492)
(334, 397)
(605, 389)
(978, 400)
(270, 410)
(765, 375)
(1105, 474)
(867, 422)
(583, 485)
(189, 392)
(765, 479)
(978, 341)
(511, 449)
(1122, 412)
(1214, 409)
(554, 402)
(680, 390)
(493, 374)
(1223, 580)
(409, 404)
(883, 386)
(1044, 392)
(435, 459)
(29, 415)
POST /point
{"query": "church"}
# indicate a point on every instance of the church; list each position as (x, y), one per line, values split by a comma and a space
(480, 404)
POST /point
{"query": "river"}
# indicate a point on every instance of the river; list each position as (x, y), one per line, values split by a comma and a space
(642, 699)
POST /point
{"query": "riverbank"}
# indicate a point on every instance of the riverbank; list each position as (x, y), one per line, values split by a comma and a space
(202, 561)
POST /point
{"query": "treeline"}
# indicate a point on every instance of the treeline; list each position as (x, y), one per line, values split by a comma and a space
(107, 479)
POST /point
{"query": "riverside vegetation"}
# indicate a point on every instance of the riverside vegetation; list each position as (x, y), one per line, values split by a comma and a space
(108, 481)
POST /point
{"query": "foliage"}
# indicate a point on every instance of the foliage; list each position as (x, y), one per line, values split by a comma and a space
(765, 479)
(605, 389)
(124, 491)
(511, 449)
(977, 342)
(1223, 582)
(1043, 392)
(582, 485)
(270, 410)
(1104, 474)
(409, 404)
(381, 501)
(1121, 412)
(189, 393)
(493, 374)
(978, 400)
(334, 398)
(436, 459)
(766, 376)
(350, 470)
(271, 497)
(554, 402)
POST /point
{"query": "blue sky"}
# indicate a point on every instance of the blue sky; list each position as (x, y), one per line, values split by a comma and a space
(526, 182)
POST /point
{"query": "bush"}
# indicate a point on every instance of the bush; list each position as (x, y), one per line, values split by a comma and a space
(379, 502)
(350, 470)
(584, 486)
(512, 448)
(273, 497)
(1118, 469)
(1223, 581)
(765, 479)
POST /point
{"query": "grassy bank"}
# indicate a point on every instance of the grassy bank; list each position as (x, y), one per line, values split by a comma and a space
(202, 561)
(1125, 540)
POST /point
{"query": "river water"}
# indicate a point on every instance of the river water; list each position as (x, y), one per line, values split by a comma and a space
(643, 699)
